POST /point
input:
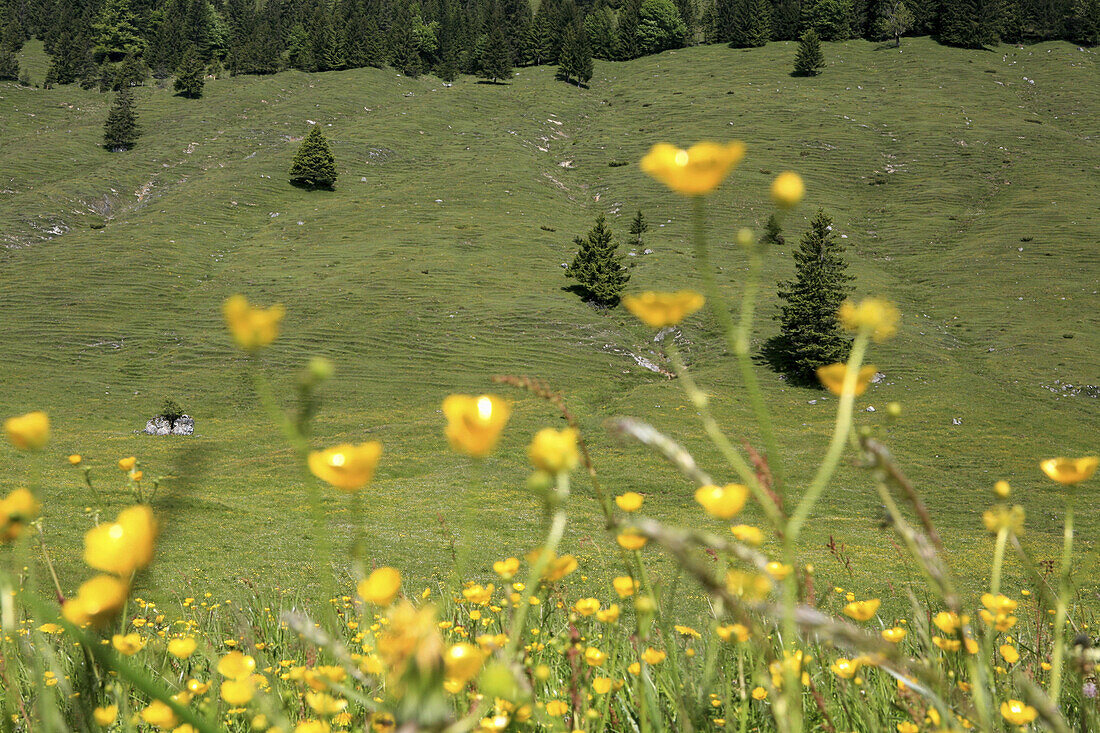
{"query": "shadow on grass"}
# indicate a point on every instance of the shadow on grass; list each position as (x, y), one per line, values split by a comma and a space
(773, 356)
(311, 185)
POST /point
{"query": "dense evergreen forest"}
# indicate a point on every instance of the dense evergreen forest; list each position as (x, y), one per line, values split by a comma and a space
(114, 43)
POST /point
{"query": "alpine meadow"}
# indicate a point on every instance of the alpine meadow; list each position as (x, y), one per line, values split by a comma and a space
(499, 384)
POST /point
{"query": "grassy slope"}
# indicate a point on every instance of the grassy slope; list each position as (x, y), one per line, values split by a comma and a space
(935, 162)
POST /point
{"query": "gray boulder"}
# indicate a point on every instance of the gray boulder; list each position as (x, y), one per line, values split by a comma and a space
(158, 426)
(184, 425)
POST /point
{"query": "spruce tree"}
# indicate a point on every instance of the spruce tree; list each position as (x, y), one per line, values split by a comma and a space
(638, 227)
(115, 32)
(970, 23)
(809, 61)
(495, 62)
(190, 76)
(121, 130)
(810, 334)
(598, 267)
(9, 66)
(404, 45)
(314, 165)
(773, 232)
(626, 38)
(575, 61)
(748, 23)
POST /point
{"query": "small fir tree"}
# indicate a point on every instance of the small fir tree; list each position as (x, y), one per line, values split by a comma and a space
(638, 227)
(121, 130)
(575, 62)
(810, 333)
(190, 76)
(495, 62)
(809, 61)
(598, 267)
(9, 66)
(314, 165)
(773, 232)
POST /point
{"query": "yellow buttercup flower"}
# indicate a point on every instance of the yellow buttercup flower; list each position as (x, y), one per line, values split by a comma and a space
(748, 534)
(594, 657)
(346, 466)
(1002, 517)
(75, 459)
(105, 715)
(695, 171)
(380, 587)
(506, 568)
(832, 377)
(788, 189)
(238, 692)
(722, 502)
(630, 501)
(474, 424)
(128, 645)
(462, 662)
(29, 431)
(653, 656)
(127, 464)
(159, 715)
(182, 647)
(999, 603)
(123, 546)
(907, 726)
(733, 632)
(658, 310)
(845, 668)
(750, 586)
(1070, 471)
(324, 704)
(587, 606)
(876, 316)
(556, 708)
(949, 622)
(609, 615)
(625, 586)
(759, 693)
(1017, 712)
(554, 451)
(777, 570)
(252, 328)
(894, 635)
(96, 602)
(1009, 653)
(236, 666)
(602, 685)
(863, 610)
(17, 510)
(631, 540)
(1002, 489)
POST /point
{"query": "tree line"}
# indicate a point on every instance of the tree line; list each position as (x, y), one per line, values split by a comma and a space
(110, 43)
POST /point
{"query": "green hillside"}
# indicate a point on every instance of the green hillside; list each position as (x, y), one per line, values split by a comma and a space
(965, 182)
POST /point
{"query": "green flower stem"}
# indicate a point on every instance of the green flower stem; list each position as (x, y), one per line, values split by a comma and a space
(1060, 608)
(998, 561)
(714, 432)
(737, 338)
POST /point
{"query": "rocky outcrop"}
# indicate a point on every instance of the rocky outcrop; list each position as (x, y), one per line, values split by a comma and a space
(160, 425)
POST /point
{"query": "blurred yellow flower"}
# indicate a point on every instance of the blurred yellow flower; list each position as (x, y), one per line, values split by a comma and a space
(96, 602)
(722, 502)
(587, 606)
(474, 424)
(832, 377)
(777, 570)
(346, 466)
(624, 586)
(877, 316)
(17, 510)
(658, 310)
(75, 459)
(907, 726)
(105, 715)
(759, 693)
(125, 545)
(1070, 470)
(1002, 517)
(845, 668)
(1002, 489)
(653, 656)
(949, 622)
(238, 691)
(252, 328)
(556, 708)
(687, 631)
(630, 501)
(554, 451)
(748, 534)
(630, 539)
(29, 431)
(462, 662)
(236, 666)
(602, 685)
(863, 610)
(506, 568)
(127, 464)
(609, 615)
(380, 587)
(159, 715)
(324, 704)
(788, 189)
(999, 603)
(182, 647)
(128, 645)
(1009, 653)
(894, 635)
(594, 657)
(1017, 712)
(733, 632)
(695, 171)
(750, 586)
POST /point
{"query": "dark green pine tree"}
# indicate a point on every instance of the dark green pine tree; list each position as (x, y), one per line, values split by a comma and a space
(325, 44)
(809, 61)
(115, 32)
(495, 61)
(404, 45)
(626, 41)
(970, 23)
(638, 227)
(121, 130)
(598, 267)
(810, 334)
(575, 61)
(67, 60)
(1084, 22)
(9, 65)
(449, 42)
(752, 25)
(773, 232)
(314, 165)
(191, 75)
(374, 45)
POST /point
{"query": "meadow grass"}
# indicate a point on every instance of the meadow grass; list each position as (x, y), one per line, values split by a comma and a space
(965, 183)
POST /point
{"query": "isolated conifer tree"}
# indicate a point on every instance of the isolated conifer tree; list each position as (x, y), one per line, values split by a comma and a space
(598, 267)
(314, 165)
(773, 233)
(190, 76)
(495, 63)
(638, 227)
(121, 130)
(810, 334)
(575, 61)
(809, 61)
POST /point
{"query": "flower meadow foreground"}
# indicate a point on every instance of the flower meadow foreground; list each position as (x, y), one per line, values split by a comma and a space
(524, 650)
